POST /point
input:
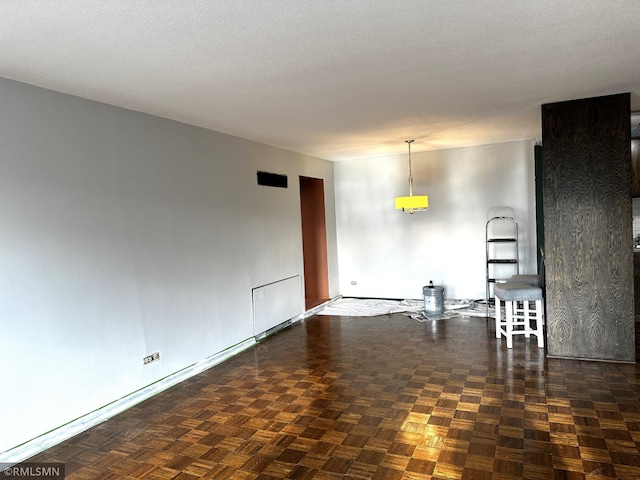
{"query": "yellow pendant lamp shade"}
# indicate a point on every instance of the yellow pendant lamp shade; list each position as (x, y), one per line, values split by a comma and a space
(412, 203)
(416, 203)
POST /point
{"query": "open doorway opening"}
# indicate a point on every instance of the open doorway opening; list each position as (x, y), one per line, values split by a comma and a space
(314, 241)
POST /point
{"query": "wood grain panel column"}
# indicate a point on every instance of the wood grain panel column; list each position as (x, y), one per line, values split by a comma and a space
(588, 228)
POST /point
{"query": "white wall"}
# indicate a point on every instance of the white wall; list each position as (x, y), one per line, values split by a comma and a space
(123, 234)
(390, 254)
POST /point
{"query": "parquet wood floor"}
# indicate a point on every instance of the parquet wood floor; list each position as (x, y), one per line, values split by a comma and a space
(377, 398)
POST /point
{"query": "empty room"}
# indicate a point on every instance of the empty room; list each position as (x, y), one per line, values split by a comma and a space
(319, 240)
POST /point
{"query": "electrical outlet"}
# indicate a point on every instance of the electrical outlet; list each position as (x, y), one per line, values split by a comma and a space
(353, 282)
(151, 358)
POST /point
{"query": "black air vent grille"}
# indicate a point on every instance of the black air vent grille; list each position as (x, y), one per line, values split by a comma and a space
(272, 180)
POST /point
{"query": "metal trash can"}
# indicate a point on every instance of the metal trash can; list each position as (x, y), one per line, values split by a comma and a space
(433, 299)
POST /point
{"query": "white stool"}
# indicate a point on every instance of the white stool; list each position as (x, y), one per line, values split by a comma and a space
(519, 319)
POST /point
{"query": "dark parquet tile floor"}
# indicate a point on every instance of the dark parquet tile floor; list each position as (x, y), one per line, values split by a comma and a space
(377, 398)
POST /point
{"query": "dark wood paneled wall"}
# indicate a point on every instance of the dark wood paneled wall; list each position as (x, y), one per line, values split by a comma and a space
(588, 228)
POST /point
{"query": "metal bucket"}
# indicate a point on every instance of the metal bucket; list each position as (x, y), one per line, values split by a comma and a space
(433, 299)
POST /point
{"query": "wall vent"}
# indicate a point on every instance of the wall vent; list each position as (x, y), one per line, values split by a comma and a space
(272, 180)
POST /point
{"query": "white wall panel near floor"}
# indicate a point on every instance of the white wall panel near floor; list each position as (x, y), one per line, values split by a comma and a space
(277, 302)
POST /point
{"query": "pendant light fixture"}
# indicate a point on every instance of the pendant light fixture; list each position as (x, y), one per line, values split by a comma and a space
(412, 204)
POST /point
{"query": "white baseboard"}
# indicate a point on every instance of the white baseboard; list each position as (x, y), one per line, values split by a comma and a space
(64, 432)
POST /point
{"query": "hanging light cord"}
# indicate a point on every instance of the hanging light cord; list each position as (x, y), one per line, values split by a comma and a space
(409, 142)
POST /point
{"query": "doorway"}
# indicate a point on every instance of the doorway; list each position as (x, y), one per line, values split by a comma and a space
(314, 241)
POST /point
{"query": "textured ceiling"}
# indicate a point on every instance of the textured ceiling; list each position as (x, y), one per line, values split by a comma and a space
(335, 79)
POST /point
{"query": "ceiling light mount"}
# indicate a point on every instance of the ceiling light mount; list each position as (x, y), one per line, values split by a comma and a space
(412, 204)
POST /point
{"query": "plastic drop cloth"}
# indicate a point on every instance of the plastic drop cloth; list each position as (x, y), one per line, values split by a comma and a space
(371, 307)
